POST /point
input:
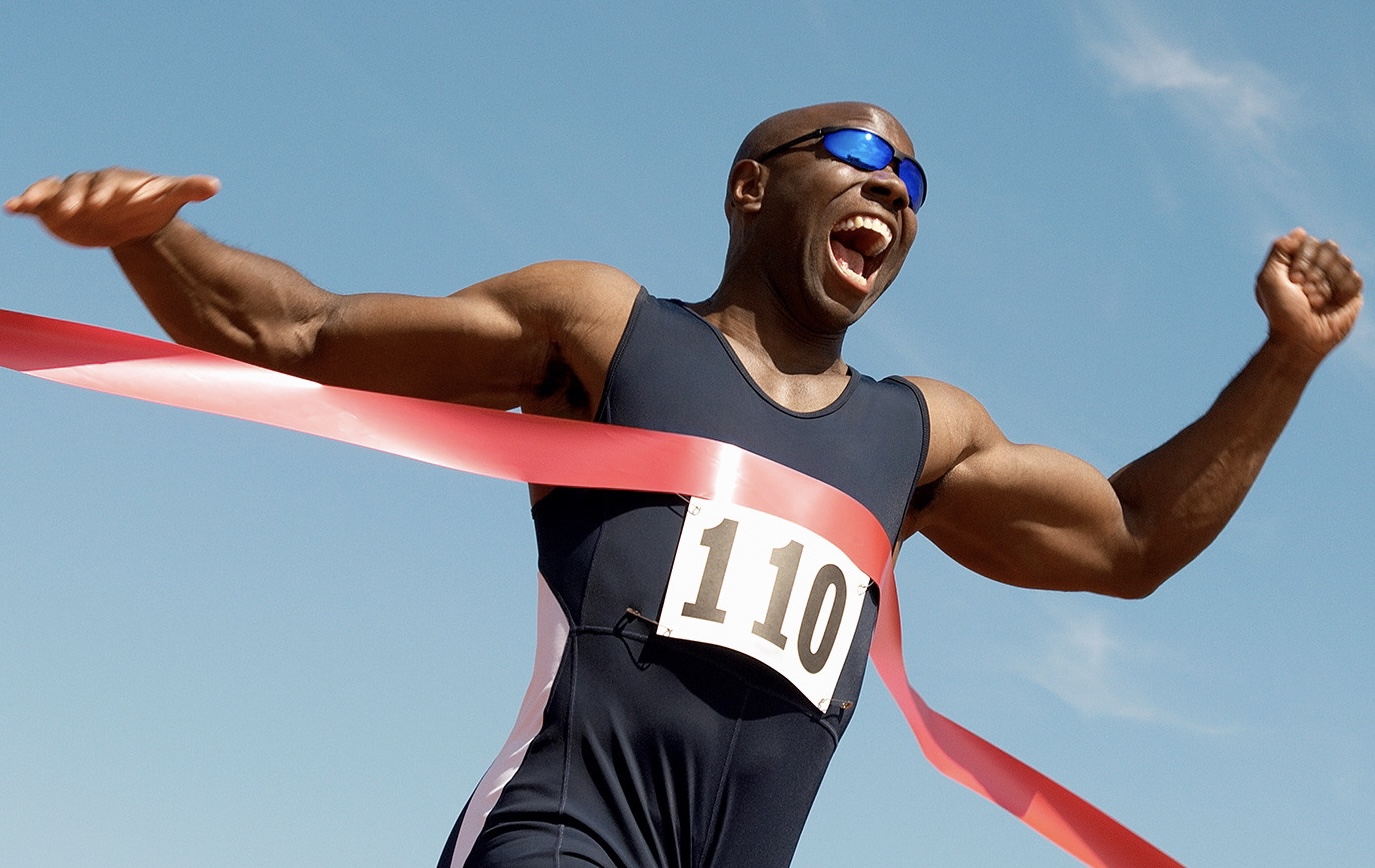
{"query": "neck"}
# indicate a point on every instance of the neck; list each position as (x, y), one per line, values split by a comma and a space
(798, 367)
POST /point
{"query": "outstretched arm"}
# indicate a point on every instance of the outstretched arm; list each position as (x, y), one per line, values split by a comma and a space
(1036, 517)
(538, 338)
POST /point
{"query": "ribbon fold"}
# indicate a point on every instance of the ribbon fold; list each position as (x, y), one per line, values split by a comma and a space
(548, 451)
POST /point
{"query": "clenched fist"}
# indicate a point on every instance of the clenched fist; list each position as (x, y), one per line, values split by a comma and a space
(1309, 291)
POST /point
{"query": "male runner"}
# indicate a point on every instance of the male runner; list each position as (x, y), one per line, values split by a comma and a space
(635, 748)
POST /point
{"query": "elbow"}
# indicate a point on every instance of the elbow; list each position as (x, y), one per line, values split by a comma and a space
(1123, 578)
(288, 349)
(1124, 569)
(1136, 579)
(1136, 568)
(286, 344)
(1135, 589)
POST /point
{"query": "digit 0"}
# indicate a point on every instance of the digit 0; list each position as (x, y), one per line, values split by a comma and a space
(829, 576)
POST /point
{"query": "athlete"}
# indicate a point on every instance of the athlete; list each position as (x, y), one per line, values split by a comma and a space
(637, 746)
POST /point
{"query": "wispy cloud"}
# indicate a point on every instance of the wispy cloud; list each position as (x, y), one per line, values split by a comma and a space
(1238, 99)
(1082, 661)
(1238, 103)
(1241, 109)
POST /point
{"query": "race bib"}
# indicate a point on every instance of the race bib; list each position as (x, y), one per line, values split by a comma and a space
(768, 588)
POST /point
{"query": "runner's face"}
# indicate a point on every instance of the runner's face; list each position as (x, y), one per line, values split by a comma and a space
(841, 232)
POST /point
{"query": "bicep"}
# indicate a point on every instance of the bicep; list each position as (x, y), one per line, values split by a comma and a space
(491, 344)
(1028, 515)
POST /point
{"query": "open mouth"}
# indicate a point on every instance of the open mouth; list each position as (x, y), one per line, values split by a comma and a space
(858, 245)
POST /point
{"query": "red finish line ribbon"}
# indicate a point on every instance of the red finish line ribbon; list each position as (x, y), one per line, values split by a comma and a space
(548, 451)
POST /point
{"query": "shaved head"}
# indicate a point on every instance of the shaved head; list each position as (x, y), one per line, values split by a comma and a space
(820, 234)
(776, 130)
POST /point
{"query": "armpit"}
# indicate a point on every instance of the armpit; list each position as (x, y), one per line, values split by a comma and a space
(560, 393)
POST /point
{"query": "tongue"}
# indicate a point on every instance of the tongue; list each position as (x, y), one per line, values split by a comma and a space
(852, 259)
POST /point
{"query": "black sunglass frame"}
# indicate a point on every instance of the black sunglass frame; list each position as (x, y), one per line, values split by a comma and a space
(821, 133)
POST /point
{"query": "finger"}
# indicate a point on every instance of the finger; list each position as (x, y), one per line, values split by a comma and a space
(105, 187)
(37, 193)
(1334, 264)
(69, 198)
(1301, 262)
(1325, 267)
(1332, 279)
(116, 186)
(1354, 283)
(1346, 282)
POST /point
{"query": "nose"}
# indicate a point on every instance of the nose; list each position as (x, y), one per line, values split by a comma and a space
(883, 185)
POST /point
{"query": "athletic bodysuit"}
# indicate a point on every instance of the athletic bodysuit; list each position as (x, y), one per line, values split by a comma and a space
(642, 751)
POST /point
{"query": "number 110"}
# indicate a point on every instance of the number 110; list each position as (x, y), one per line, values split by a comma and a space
(719, 541)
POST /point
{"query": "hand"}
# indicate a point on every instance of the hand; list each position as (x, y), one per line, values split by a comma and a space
(110, 207)
(1309, 291)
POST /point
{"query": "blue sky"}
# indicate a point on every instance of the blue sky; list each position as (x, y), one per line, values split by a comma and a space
(222, 644)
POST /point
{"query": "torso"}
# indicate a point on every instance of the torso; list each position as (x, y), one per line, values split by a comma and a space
(649, 751)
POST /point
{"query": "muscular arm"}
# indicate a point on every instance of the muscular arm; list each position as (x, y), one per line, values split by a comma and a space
(1037, 517)
(538, 338)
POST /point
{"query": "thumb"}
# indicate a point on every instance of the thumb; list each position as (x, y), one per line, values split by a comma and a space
(1282, 253)
(196, 188)
(178, 189)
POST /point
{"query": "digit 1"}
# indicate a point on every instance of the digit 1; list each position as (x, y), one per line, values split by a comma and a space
(718, 541)
(827, 577)
(786, 559)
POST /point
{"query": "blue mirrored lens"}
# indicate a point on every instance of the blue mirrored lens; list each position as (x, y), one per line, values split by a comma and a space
(911, 175)
(859, 148)
(864, 150)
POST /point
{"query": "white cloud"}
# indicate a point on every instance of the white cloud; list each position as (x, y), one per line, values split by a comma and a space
(1231, 99)
(1238, 99)
(1238, 105)
(1082, 661)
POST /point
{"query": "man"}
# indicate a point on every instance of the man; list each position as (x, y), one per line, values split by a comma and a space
(636, 748)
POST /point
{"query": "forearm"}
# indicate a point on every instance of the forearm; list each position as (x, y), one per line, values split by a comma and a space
(1177, 498)
(222, 299)
(1040, 518)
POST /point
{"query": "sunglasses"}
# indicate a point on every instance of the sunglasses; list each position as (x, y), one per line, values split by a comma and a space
(864, 150)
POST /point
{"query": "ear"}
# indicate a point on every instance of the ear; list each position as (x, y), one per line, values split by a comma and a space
(745, 187)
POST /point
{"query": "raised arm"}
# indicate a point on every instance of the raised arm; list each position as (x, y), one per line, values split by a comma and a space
(539, 338)
(1036, 517)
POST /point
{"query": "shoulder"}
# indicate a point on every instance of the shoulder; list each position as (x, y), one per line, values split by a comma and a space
(564, 301)
(960, 427)
(565, 284)
(578, 311)
(965, 450)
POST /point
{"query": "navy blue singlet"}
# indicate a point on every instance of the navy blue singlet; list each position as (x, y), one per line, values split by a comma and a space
(645, 752)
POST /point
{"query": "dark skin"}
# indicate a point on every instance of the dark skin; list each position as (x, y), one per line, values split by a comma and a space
(542, 338)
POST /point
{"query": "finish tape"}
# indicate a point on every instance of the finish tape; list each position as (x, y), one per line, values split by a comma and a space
(547, 451)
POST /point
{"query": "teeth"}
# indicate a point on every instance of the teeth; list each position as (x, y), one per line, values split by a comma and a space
(877, 243)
